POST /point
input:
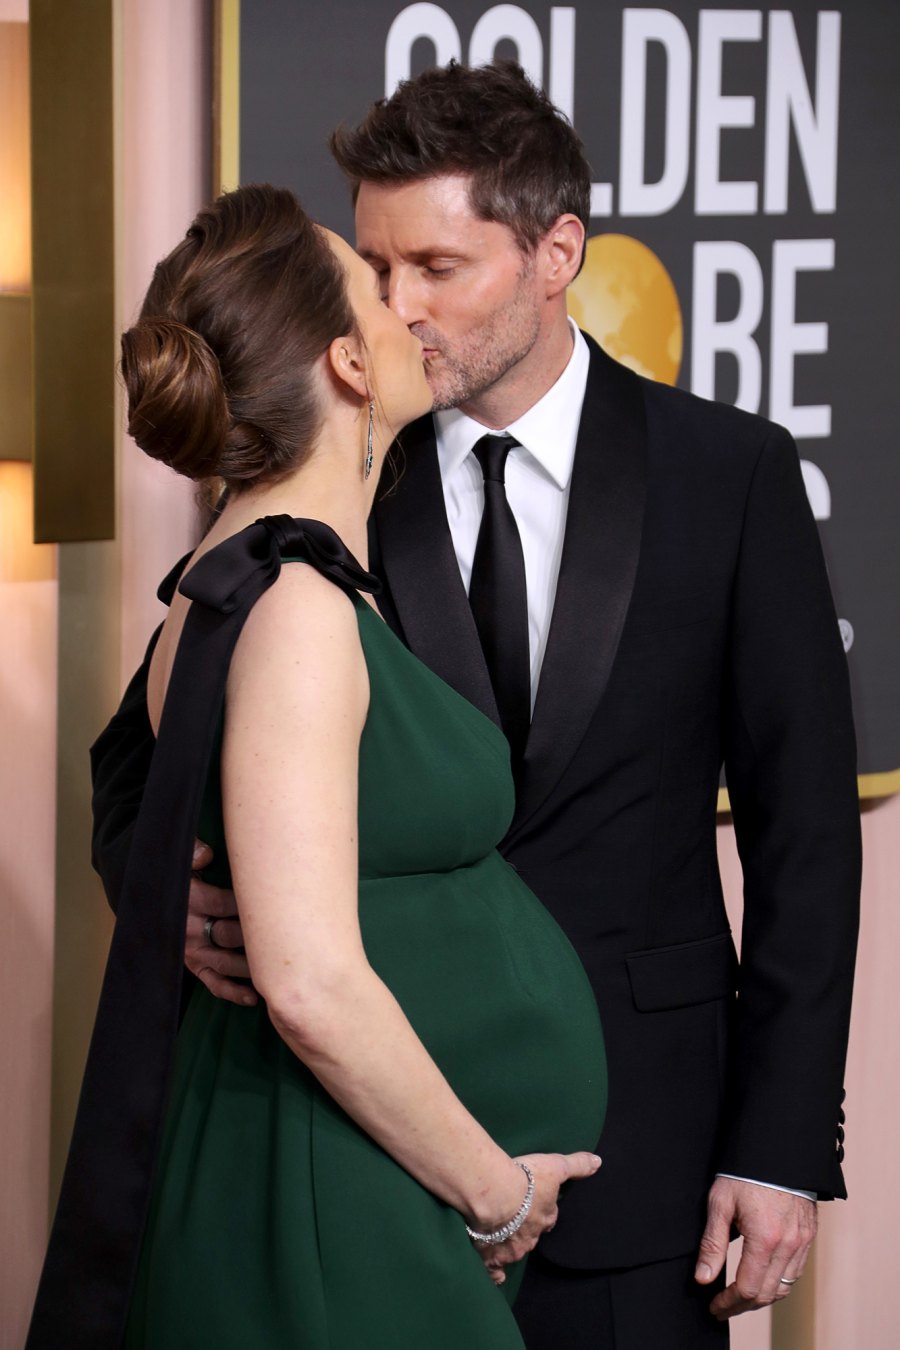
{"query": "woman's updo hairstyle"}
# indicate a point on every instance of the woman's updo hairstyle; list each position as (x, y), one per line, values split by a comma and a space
(219, 366)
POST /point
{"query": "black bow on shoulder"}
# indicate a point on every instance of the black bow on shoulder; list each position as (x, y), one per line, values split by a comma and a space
(250, 561)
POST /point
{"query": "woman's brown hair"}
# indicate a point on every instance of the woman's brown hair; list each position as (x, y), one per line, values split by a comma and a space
(219, 368)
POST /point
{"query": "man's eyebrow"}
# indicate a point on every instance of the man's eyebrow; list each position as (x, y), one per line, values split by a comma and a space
(419, 255)
(437, 253)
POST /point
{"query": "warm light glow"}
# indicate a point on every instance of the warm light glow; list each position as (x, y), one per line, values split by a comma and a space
(626, 299)
(15, 161)
(20, 558)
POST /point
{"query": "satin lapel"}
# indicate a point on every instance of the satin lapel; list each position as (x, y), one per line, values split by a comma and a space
(414, 553)
(596, 575)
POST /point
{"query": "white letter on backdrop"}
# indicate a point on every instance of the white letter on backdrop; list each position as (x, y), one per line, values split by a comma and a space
(516, 24)
(561, 87)
(789, 338)
(716, 110)
(418, 21)
(788, 103)
(711, 335)
(640, 27)
(817, 491)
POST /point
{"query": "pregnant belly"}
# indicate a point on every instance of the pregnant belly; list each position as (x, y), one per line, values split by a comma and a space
(498, 996)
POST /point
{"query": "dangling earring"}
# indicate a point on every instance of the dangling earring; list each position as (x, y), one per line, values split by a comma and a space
(368, 465)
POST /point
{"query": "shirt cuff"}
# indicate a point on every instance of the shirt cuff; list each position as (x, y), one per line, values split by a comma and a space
(770, 1186)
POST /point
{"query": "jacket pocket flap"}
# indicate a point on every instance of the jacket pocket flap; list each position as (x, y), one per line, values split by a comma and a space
(680, 976)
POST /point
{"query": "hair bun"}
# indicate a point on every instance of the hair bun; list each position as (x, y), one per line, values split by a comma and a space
(177, 407)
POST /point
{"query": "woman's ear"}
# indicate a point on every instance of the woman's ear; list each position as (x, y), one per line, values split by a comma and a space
(346, 357)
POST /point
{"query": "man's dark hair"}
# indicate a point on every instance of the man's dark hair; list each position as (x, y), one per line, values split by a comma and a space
(525, 163)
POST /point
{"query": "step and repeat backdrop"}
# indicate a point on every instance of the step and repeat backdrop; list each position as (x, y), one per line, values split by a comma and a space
(745, 223)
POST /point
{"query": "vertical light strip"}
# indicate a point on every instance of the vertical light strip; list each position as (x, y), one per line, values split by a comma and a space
(226, 96)
(15, 377)
(73, 59)
(15, 246)
(73, 268)
(15, 178)
(794, 1319)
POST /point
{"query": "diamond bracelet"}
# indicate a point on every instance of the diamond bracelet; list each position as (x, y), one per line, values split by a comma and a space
(515, 1223)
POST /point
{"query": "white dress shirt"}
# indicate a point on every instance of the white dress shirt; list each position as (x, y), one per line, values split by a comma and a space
(538, 475)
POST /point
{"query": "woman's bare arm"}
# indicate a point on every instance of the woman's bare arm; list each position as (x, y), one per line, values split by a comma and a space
(296, 703)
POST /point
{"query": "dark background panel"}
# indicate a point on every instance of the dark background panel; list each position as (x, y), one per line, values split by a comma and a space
(305, 68)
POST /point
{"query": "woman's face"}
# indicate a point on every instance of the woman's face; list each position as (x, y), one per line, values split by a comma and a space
(393, 354)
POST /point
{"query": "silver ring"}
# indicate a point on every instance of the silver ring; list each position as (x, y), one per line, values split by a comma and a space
(793, 1281)
(208, 932)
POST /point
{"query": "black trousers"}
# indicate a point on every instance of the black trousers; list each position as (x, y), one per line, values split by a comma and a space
(653, 1307)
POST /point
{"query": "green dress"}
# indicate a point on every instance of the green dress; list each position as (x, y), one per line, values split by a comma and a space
(276, 1223)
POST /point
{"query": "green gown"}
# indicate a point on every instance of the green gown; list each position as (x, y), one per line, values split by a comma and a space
(276, 1223)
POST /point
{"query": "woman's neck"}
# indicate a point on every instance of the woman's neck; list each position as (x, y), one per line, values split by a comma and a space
(323, 488)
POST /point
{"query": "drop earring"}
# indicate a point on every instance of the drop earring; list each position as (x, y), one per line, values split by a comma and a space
(368, 465)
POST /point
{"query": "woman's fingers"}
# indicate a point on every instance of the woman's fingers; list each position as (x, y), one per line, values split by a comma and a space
(580, 1165)
(560, 1167)
(550, 1170)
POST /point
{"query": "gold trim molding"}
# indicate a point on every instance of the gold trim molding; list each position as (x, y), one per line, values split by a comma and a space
(73, 286)
(871, 786)
(226, 95)
(16, 432)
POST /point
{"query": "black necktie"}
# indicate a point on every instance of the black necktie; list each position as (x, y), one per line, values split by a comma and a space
(498, 596)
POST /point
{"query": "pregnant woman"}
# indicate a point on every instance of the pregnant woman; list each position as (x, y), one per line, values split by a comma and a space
(334, 1167)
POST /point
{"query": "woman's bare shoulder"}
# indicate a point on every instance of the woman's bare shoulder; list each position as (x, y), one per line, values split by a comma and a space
(301, 638)
(302, 600)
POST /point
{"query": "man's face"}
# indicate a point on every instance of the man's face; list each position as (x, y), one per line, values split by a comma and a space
(462, 285)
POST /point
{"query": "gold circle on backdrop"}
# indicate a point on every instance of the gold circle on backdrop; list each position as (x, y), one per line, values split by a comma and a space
(625, 299)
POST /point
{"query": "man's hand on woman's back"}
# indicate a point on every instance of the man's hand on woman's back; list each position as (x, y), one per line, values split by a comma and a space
(214, 943)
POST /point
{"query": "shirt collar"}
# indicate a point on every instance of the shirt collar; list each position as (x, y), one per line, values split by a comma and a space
(548, 430)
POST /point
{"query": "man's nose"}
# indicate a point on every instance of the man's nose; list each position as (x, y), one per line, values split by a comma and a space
(404, 297)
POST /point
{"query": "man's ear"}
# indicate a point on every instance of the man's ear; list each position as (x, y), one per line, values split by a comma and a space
(347, 359)
(562, 246)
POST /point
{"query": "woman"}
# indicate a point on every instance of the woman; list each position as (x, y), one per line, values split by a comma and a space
(423, 1023)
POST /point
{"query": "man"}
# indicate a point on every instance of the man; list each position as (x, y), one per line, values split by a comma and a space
(632, 585)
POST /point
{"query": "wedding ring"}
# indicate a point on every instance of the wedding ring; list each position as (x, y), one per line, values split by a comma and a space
(208, 932)
(793, 1281)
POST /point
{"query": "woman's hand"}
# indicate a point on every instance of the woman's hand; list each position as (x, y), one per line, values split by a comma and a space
(550, 1170)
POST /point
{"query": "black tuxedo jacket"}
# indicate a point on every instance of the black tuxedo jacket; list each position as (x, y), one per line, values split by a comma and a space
(692, 626)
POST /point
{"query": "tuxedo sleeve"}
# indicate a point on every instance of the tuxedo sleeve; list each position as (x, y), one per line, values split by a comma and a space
(790, 762)
(120, 762)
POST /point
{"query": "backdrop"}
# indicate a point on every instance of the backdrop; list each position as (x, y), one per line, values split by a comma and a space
(745, 212)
